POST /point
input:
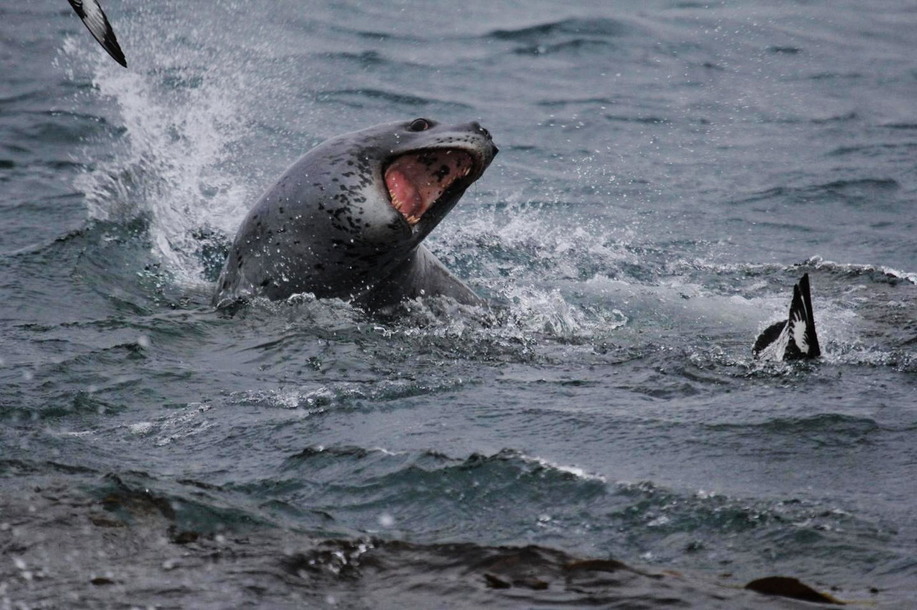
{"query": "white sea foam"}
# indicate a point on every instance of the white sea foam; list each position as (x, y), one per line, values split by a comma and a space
(174, 426)
(577, 472)
(820, 263)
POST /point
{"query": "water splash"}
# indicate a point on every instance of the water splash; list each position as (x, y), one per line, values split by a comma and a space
(182, 126)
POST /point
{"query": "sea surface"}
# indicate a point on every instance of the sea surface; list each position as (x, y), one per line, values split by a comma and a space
(668, 170)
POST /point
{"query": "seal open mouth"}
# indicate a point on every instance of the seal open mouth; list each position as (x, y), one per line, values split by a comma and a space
(417, 180)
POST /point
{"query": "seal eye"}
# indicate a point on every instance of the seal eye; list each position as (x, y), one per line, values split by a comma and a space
(419, 125)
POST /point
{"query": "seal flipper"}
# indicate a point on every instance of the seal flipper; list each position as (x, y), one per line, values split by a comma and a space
(794, 339)
(421, 275)
(97, 23)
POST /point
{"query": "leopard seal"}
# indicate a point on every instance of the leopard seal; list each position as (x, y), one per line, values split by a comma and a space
(347, 220)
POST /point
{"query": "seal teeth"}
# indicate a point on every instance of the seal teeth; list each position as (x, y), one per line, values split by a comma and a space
(417, 181)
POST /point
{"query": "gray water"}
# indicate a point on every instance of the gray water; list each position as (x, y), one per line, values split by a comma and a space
(667, 171)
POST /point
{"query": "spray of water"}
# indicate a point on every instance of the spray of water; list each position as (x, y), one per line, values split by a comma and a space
(184, 119)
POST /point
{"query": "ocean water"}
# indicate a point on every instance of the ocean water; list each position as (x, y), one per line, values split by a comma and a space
(667, 171)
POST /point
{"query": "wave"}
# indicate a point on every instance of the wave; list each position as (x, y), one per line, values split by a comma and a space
(360, 98)
(825, 429)
(346, 395)
(670, 526)
(876, 273)
(575, 36)
(514, 461)
(143, 537)
(599, 27)
(855, 189)
(376, 490)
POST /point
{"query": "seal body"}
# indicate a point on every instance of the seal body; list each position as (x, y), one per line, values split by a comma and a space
(347, 219)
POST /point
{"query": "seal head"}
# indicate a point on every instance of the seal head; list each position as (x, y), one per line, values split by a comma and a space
(347, 219)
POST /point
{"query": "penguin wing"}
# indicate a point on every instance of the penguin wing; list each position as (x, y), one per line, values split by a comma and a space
(97, 23)
(801, 323)
(795, 338)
